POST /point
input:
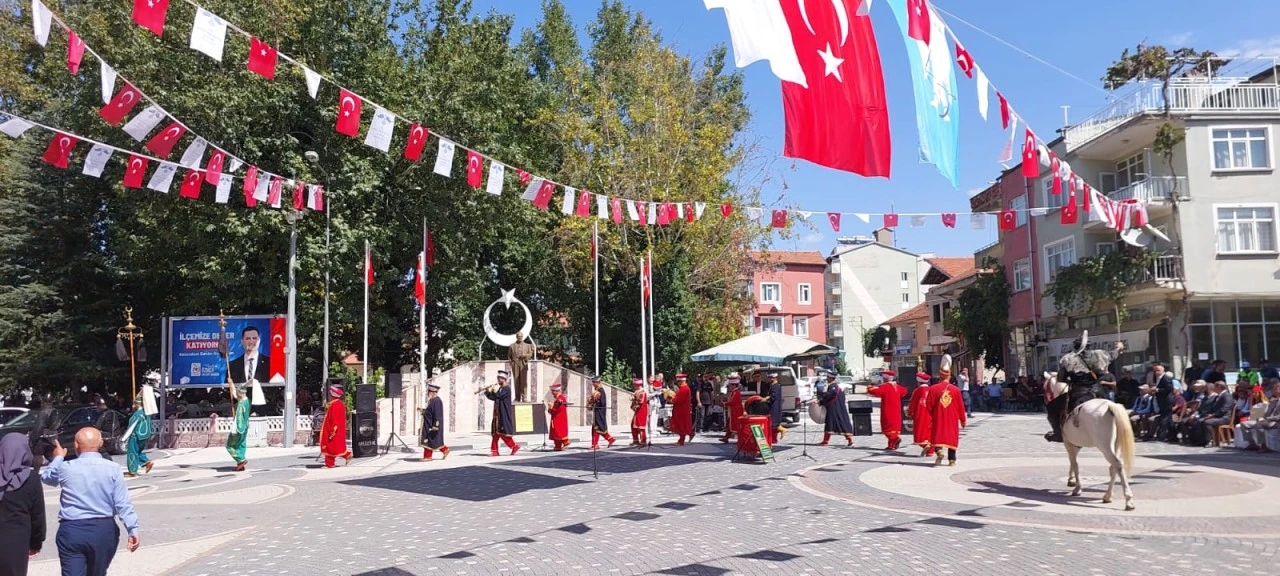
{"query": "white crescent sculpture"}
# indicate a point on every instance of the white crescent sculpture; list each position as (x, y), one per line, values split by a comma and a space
(508, 297)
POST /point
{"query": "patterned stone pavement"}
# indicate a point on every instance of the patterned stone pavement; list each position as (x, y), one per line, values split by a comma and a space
(689, 510)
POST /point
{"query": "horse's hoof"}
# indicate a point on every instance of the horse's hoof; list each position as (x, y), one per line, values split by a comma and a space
(1128, 506)
(1106, 500)
(1075, 492)
(1071, 483)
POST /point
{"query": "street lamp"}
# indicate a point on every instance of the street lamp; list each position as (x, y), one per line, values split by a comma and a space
(314, 159)
(133, 335)
(291, 338)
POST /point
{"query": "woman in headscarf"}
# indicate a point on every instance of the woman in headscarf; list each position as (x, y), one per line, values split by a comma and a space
(21, 506)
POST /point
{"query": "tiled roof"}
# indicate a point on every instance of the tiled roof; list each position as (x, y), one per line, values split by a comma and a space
(952, 267)
(918, 312)
(810, 257)
(954, 279)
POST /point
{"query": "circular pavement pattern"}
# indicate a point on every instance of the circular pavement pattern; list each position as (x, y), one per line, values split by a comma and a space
(1171, 498)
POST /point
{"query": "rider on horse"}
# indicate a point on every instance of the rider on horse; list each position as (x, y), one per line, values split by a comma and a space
(1082, 369)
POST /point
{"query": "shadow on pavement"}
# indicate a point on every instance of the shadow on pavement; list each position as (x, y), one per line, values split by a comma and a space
(471, 484)
(613, 464)
(1249, 462)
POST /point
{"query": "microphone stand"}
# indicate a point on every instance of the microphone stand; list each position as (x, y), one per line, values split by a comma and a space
(804, 427)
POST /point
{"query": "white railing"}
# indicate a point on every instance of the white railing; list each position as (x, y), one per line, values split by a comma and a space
(836, 311)
(1155, 189)
(224, 425)
(1166, 267)
(1144, 98)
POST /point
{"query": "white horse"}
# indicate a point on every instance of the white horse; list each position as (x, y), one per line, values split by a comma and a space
(1100, 424)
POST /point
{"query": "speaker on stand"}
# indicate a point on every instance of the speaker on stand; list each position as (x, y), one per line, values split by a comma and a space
(394, 387)
(364, 423)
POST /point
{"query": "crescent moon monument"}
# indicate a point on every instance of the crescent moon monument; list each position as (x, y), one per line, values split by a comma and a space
(519, 352)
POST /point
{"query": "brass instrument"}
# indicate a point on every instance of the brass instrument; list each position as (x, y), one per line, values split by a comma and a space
(491, 389)
(595, 397)
(669, 395)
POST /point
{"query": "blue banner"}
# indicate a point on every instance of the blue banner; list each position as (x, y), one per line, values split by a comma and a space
(937, 103)
(195, 361)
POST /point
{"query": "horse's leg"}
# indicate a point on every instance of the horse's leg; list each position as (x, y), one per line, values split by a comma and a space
(1073, 473)
(1106, 442)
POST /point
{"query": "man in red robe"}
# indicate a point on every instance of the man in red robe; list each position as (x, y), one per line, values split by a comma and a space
(639, 413)
(734, 407)
(682, 411)
(333, 433)
(558, 408)
(890, 394)
(918, 410)
(946, 411)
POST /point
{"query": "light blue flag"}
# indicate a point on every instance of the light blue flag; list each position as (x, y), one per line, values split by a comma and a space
(937, 102)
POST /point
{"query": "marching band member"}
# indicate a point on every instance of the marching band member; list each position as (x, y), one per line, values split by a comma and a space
(890, 394)
(599, 404)
(838, 420)
(333, 433)
(776, 432)
(918, 410)
(238, 439)
(558, 408)
(946, 413)
(657, 402)
(682, 411)
(503, 424)
(735, 408)
(640, 413)
(433, 425)
(140, 425)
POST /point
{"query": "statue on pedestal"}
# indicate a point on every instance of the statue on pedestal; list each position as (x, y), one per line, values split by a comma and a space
(519, 352)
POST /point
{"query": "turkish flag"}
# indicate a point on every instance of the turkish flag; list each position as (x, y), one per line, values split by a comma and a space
(137, 168)
(348, 113)
(918, 20)
(1004, 111)
(431, 249)
(120, 105)
(779, 219)
(75, 53)
(299, 195)
(524, 177)
(59, 150)
(949, 220)
(643, 212)
(964, 60)
(420, 281)
(690, 213)
(475, 168)
(646, 277)
(150, 14)
(1087, 193)
(213, 170)
(368, 266)
(890, 220)
(1030, 156)
(250, 184)
(191, 184)
(584, 204)
(1068, 212)
(277, 349)
(615, 209)
(164, 141)
(834, 219)
(841, 119)
(273, 195)
(543, 197)
(726, 210)
(262, 59)
(417, 139)
(1056, 168)
(664, 216)
(316, 201)
(1008, 219)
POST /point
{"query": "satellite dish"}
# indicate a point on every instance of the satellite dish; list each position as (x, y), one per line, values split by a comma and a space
(1152, 230)
(1136, 237)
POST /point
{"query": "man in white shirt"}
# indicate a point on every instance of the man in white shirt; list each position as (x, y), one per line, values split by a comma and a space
(250, 365)
(962, 382)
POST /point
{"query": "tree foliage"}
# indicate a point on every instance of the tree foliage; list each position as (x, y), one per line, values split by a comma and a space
(980, 317)
(625, 115)
(1106, 278)
(879, 341)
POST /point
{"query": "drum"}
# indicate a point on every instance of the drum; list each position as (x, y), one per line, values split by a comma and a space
(746, 441)
(818, 413)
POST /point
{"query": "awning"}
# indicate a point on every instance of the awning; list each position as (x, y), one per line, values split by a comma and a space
(1135, 341)
(762, 348)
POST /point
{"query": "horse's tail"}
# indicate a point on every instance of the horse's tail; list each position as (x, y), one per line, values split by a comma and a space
(1124, 435)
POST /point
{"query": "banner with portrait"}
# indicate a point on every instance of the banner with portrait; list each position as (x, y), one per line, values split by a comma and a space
(254, 350)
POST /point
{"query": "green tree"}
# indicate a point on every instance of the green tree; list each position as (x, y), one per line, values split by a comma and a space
(878, 341)
(1106, 278)
(980, 317)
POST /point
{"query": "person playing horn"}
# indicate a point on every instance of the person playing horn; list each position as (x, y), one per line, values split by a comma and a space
(433, 425)
(599, 404)
(640, 413)
(503, 424)
(890, 394)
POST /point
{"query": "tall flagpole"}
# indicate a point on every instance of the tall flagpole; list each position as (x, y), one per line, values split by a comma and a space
(644, 360)
(595, 274)
(653, 341)
(422, 312)
(364, 359)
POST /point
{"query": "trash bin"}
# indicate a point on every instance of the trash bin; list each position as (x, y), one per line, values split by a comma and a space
(860, 412)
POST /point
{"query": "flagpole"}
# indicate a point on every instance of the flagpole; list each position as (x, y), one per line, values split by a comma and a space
(422, 315)
(653, 341)
(364, 359)
(644, 360)
(595, 274)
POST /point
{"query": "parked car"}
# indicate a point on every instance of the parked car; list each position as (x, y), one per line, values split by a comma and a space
(61, 423)
(8, 413)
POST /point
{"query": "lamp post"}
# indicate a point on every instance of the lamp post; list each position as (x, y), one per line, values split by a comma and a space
(291, 337)
(314, 159)
(133, 335)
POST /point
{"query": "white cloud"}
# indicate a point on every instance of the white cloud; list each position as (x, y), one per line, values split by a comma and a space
(1179, 39)
(813, 238)
(1253, 48)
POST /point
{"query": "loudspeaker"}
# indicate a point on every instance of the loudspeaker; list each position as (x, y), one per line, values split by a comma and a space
(364, 434)
(366, 398)
(394, 384)
(860, 414)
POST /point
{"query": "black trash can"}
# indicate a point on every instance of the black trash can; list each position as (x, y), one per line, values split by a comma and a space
(860, 412)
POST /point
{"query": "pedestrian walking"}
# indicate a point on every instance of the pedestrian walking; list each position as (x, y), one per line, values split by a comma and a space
(22, 525)
(93, 495)
(139, 432)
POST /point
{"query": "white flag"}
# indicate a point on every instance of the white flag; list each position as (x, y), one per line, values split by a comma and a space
(223, 192)
(865, 218)
(15, 127)
(917, 221)
(632, 212)
(759, 31)
(263, 189)
(234, 165)
(1038, 211)
(162, 177)
(194, 155)
(108, 75)
(142, 124)
(497, 171)
(313, 81)
(984, 86)
(754, 214)
(698, 207)
(96, 160)
(1007, 154)
(444, 158)
(978, 221)
(802, 215)
(531, 191)
(653, 214)
(680, 211)
(315, 197)
(208, 34)
(602, 206)
(380, 129)
(570, 197)
(41, 17)
(286, 185)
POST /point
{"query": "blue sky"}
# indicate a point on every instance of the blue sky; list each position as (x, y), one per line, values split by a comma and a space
(1081, 37)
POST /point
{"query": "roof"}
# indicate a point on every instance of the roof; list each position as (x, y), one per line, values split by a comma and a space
(810, 257)
(842, 249)
(947, 268)
(973, 271)
(916, 313)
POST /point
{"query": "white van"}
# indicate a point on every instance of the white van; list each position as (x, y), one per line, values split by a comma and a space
(786, 377)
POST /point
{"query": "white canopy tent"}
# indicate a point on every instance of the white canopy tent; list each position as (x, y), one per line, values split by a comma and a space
(763, 348)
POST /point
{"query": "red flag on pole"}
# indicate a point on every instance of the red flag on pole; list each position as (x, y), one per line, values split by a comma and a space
(348, 113)
(431, 250)
(150, 14)
(368, 266)
(59, 150)
(262, 59)
(646, 278)
(420, 281)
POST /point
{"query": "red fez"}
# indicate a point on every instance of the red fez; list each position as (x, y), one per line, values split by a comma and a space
(681, 376)
(889, 373)
(923, 377)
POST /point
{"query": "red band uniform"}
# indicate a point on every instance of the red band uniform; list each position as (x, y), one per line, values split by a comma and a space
(918, 410)
(640, 413)
(682, 411)
(890, 394)
(333, 432)
(946, 411)
(558, 409)
(735, 408)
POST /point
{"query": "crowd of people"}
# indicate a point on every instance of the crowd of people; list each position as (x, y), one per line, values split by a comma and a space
(1208, 411)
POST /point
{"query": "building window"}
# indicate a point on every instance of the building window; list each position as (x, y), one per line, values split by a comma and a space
(1236, 330)
(1240, 149)
(1057, 256)
(937, 313)
(1131, 170)
(771, 293)
(1022, 275)
(905, 277)
(1102, 248)
(1019, 206)
(800, 327)
(771, 324)
(805, 294)
(906, 297)
(1246, 229)
(1052, 200)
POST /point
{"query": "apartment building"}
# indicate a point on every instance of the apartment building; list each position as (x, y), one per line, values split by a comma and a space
(788, 290)
(1214, 288)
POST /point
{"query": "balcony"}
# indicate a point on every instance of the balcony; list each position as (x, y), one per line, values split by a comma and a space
(1158, 189)
(833, 289)
(836, 311)
(837, 333)
(1167, 268)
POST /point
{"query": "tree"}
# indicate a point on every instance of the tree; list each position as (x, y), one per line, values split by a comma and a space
(878, 341)
(980, 317)
(1109, 277)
